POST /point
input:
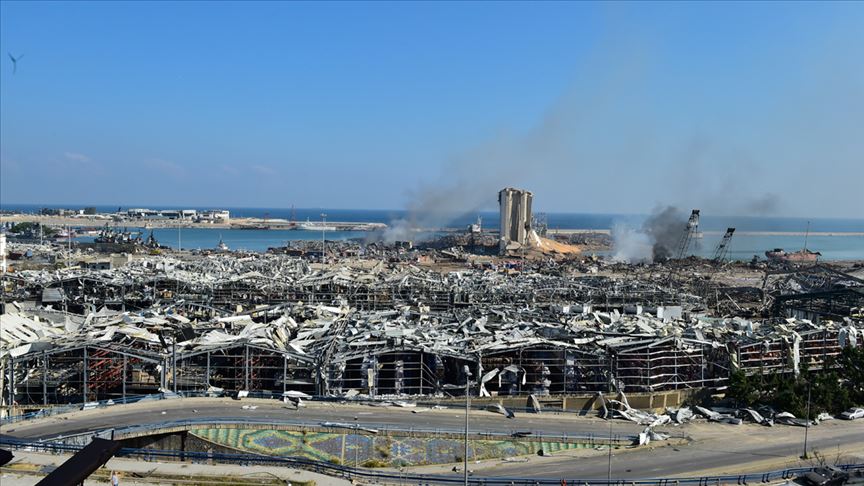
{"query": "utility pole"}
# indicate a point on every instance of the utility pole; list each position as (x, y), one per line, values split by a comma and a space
(174, 362)
(609, 465)
(323, 248)
(179, 240)
(68, 245)
(468, 375)
(807, 427)
(356, 442)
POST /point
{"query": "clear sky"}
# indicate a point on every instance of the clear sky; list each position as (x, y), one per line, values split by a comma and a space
(738, 108)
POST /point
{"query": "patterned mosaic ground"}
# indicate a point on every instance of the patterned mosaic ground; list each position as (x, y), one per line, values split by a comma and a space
(349, 448)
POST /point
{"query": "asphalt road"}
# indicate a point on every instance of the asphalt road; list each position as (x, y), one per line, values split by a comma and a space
(712, 448)
(734, 450)
(445, 420)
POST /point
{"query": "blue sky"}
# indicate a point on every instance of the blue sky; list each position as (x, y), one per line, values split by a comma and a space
(738, 108)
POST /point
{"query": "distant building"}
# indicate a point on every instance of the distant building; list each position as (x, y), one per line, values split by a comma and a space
(3, 253)
(515, 207)
(222, 215)
(193, 214)
(141, 213)
(58, 212)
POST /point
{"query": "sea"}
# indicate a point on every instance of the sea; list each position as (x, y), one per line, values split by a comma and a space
(754, 234)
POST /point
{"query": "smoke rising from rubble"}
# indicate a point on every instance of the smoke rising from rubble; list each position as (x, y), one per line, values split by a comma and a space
(435, 207)
(603, 127)
(631, 245)
(656, 239)
(765, 204)
(471, 181)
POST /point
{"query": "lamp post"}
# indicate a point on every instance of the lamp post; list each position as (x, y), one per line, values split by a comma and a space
(323, 249)
(807, 426)
(356, 442)
(468, 375)
(609, 465)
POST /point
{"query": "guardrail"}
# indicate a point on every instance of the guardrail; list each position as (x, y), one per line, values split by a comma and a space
(71, 407)
(387, 476)
(618, 439)
(595, 439)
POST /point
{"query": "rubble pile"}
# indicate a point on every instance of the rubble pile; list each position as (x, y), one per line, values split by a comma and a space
(378, 321)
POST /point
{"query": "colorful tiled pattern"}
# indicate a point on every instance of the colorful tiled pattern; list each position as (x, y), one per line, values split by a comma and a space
(348, 448)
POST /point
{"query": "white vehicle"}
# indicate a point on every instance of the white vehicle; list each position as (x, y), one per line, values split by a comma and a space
(852, 414)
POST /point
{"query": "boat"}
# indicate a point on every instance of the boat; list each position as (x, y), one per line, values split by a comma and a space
(112, 235)
(222, 246)
(801, 256)
(65, 235)
(309, 226)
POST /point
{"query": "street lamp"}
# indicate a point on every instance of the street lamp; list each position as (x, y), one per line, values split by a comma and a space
(609, 464)
(323, 250)
(356, 442)
(468, 375)
(807, 425)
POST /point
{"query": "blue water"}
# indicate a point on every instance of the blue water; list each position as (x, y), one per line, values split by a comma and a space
(742, 247)
(252, 240)
(490, 218)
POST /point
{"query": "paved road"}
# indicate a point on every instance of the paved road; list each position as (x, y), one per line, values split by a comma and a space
(714, 448)
(729, 450)
(271, 411)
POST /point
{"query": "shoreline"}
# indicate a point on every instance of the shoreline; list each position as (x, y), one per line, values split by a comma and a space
(232, 224)
(720, 233)
(282, 224)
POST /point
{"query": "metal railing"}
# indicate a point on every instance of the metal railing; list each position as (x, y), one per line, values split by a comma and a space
(391, 476)
(73, 407)
(381, 428)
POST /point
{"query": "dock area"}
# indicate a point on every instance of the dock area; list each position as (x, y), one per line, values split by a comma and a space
(98, 221)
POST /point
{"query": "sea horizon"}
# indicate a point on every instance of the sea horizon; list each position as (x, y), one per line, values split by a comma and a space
(744, 246)
(555, 220)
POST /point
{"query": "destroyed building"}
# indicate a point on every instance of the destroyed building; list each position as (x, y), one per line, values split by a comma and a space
(516, 216)
(270, 323)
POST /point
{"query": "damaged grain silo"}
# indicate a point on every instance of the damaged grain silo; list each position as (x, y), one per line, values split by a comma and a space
(515, 207)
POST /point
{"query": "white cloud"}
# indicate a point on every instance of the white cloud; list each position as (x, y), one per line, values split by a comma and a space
(264, 170)
(76, 157)
(166, 167)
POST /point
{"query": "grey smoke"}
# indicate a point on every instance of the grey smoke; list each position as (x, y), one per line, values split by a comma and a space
(764, 205)
(471, 181)
(632, 245)
(434, 207)
(656, 239)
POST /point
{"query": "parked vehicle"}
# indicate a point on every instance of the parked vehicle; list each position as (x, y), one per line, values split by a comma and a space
(825, 476)
(852, 414)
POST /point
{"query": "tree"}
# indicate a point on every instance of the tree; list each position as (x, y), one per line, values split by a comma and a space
(743, 389)
(850, 368)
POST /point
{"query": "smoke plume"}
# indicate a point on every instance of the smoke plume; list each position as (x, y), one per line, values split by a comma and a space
(763, 205)
(657, 239)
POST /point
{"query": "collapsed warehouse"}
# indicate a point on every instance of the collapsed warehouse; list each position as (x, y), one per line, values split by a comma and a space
(382, 327)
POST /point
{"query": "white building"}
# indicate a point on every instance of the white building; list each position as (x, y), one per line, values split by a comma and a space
(215, 215)
(3, 252)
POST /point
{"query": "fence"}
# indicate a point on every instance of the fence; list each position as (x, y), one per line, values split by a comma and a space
(388, 476)
(618, 440)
